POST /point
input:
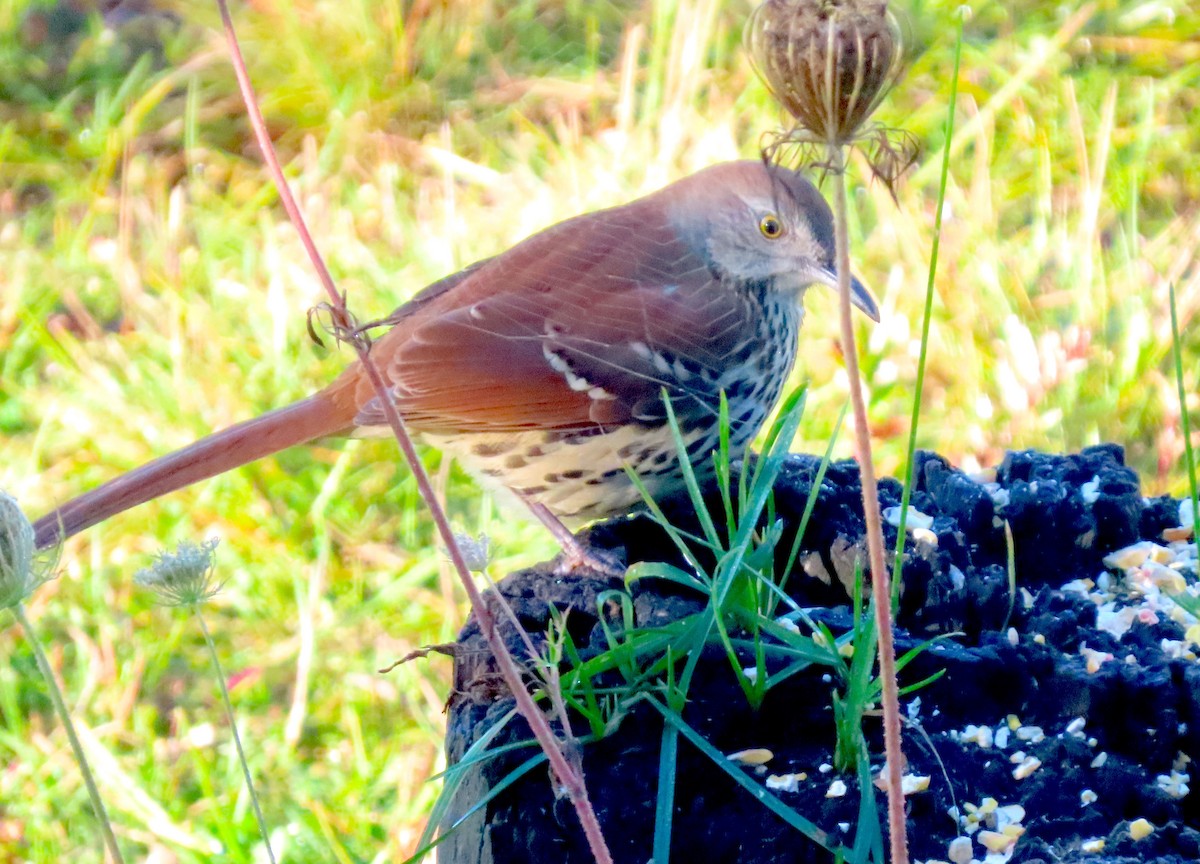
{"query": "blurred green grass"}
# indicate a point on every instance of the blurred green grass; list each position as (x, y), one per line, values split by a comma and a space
(150, 291)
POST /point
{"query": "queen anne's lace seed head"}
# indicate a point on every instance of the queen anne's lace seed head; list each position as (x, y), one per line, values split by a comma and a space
(183, 577)
(829, 62)
(20, 570)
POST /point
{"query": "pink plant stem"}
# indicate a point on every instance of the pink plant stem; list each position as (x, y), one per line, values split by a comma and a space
(570, 778)
(881, 593)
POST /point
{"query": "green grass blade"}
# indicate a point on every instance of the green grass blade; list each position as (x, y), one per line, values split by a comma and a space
(739, 775)
(664, 804)
(695, 493)
(1185, 423)
(428, 842)
(868, 833)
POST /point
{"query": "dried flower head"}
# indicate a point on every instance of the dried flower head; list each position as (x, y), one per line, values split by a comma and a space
(829, 62)
(21, 572)
(476, 551)
(183, 577)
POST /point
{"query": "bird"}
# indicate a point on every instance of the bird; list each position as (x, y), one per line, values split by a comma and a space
(546, 370)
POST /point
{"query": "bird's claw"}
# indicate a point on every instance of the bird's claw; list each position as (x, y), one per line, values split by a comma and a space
(577, 559)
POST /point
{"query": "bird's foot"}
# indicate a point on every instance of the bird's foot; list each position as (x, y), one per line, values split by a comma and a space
(577, 558)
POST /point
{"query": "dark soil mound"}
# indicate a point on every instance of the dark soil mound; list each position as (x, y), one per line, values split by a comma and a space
(1066, 713)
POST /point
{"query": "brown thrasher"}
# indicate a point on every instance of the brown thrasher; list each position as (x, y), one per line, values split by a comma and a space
(543, 369)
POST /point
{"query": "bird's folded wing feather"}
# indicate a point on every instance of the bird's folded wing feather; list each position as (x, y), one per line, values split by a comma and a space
(579, 327)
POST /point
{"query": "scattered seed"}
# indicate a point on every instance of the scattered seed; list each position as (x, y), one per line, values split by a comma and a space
(1086, 797)
(1032, 734)
(1114, 621)
(961, 850)
(1009, 816)
(924, 535)
(837, 789)
(1092, 847)
(995, 841)
(1140, 828)
(1075, 727)
(915, 519)
(784, 782)
(1174, 784)
(1128, 557)
(1026, 768)
(753, 756)
(1161, 554)
(910, 784)
(1094, 659)
(1014, 831)
(1100, 759)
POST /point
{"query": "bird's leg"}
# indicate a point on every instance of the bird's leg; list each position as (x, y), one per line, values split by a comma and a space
(575, 555)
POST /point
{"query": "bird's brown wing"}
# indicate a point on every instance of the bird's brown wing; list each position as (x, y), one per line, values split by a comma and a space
(578, 327)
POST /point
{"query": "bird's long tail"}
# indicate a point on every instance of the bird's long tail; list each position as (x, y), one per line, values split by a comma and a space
(222, 451)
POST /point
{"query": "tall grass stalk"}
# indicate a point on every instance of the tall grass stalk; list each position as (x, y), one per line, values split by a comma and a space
(1184, 423)
(64, 716)
(237, 738)
(870, 493)
(22, 571)
(568, 773)
(185, 579)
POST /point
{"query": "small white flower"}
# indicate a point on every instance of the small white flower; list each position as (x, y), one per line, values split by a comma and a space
(183, 577)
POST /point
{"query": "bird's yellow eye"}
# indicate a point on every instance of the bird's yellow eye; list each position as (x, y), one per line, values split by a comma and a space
(771, 227)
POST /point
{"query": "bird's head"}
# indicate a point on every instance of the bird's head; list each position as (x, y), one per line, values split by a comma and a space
(757, 222)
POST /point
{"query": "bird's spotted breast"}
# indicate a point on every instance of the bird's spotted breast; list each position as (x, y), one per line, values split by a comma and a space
(577, 477)
(581, 475)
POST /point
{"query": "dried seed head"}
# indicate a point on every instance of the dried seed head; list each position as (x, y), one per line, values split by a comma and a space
(20, 570)
(476, 551)
(183, 577)
(829, 62)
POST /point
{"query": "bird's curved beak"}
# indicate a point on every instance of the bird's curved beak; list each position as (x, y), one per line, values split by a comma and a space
(859, 295)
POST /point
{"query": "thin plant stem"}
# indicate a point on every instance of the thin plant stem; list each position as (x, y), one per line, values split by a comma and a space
(919, 387)
(60, 706)
(571, 779)
(870, 494)
(1185, 424)
(237, 739)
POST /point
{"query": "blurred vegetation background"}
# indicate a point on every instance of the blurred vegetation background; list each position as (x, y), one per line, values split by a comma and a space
(151, 290)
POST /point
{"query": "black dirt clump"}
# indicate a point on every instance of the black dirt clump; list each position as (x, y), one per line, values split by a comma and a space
(1103, 716)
